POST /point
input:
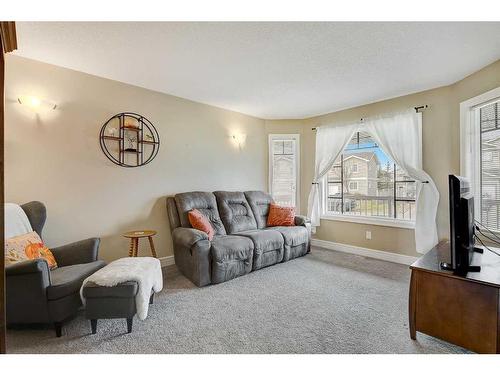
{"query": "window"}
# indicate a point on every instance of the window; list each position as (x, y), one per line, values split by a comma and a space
(284, 169)
(480, 153)
(365, 182)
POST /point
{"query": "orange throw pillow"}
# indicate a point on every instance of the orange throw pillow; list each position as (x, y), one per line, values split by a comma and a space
(281, 216)
(200, 222)
(26, 247)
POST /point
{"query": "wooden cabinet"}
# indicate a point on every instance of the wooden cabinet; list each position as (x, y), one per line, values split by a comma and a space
(461, 310)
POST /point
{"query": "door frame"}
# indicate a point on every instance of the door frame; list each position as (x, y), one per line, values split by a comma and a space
(8, 43)
(296, 137)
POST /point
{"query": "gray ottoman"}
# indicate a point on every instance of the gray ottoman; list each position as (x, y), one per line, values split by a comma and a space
(115, 302)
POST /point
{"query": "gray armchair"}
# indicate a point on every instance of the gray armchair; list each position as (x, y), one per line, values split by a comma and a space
(36, 294)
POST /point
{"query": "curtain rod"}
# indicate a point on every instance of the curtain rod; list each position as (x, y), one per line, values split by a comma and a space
(417, 109)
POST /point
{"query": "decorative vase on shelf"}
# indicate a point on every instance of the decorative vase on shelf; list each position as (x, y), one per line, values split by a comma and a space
(131, 144)
(131, 123)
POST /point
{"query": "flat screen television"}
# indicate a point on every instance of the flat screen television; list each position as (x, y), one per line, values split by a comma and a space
(462, 243)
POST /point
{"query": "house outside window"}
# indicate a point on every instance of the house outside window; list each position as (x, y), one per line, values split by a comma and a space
(480, 155)
(365, 182)
(284, 172)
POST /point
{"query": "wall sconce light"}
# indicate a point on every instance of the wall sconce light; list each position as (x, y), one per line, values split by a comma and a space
(35, 103)
(239, 139)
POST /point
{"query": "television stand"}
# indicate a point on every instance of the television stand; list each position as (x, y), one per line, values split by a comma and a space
(478, 250)
(448, 267)
(461, 309)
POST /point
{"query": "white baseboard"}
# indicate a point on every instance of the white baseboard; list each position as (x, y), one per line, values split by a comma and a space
(167, 261)
(363, 251)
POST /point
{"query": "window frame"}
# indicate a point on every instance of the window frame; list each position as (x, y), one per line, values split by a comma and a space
(371, 220)
(470, 138)
(296, 137)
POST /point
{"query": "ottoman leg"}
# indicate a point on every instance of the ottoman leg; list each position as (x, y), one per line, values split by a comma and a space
(58, 327)
(129, 324)
(93, 325)
(151, 299)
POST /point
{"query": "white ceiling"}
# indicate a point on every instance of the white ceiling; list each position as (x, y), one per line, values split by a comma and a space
(269, 70)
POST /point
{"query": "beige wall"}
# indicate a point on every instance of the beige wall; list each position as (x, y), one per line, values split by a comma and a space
(55, 157)
(441, 154)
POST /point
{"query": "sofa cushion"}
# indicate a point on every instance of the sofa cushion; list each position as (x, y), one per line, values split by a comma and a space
(235, 211)
(201, 222)
(28, 246)
(231, 257)
(280, 216)
(68, 280)
(259, 202)
(293, 236)
(202, 201)
(268, 247)
(296, 241)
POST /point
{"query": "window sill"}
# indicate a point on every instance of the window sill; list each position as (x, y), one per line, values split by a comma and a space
(371, 221)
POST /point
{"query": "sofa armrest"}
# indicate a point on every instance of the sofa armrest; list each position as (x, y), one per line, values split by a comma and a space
(84, 251)
(187, 237)
(192, 254)
(301, 220)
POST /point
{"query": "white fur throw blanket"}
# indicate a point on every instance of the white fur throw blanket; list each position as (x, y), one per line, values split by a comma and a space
(146, 271)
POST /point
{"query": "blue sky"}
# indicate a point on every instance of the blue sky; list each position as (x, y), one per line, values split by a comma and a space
(369, 147)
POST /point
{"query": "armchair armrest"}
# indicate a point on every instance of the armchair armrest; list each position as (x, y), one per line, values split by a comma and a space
(26, 291)
(187, 237)
(301, 220)
(84, 251)
(28, 267)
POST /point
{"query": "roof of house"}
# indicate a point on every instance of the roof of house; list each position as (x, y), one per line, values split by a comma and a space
(366, 155)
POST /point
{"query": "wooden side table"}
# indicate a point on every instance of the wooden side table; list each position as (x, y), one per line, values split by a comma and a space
(134, 241)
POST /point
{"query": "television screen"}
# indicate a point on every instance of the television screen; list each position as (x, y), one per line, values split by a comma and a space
(461, 225)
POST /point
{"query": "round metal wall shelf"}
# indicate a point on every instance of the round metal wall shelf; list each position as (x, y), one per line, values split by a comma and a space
(129, 140)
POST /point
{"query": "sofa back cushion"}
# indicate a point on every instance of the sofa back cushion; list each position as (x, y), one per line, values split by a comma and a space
(259, 202)
(202, 201)
(173, 215)
(235, 211)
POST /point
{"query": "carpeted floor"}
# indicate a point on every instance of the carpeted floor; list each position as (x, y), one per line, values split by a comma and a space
(325, 302)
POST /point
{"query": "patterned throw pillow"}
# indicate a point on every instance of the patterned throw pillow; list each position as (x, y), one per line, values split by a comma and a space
(200, 222)
(281, 216)
(28, 246)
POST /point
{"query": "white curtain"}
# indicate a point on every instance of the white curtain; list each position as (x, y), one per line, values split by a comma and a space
(399, 135)
(330, 142)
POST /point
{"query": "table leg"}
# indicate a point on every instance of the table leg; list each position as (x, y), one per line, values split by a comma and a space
(136, 243)
(152, 245)
(131, 249)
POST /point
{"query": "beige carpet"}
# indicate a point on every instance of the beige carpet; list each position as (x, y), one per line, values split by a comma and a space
(325, 302)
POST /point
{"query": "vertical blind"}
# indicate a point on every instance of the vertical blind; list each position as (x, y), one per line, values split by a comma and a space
(489, 118)
(283, 172)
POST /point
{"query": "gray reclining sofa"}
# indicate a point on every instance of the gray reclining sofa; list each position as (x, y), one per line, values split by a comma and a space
(242, 243)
